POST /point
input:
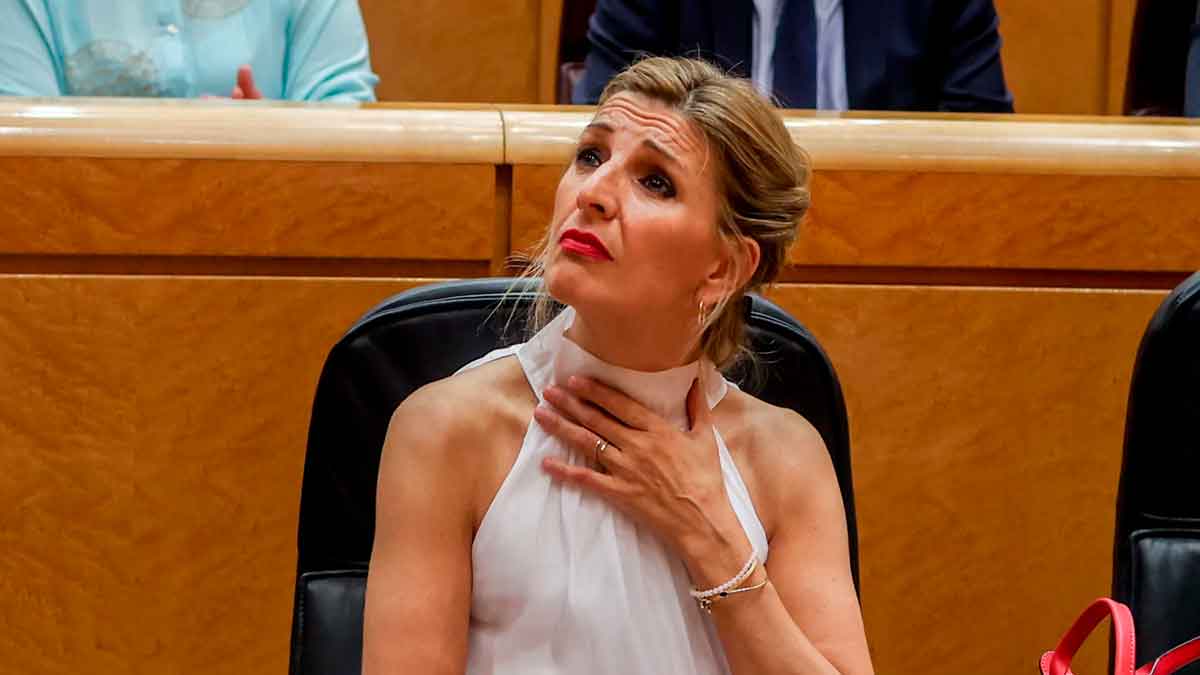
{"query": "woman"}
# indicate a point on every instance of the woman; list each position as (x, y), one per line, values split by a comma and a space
(299, 50)
(559, 511)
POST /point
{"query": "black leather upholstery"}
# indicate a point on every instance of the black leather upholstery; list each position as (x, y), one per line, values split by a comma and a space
(426, 334)
(327, 622)
(1156, 550)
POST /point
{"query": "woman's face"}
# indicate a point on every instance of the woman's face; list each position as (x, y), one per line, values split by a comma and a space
(634, 227)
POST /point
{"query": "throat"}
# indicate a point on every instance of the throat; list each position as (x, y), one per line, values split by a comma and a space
(634, 347)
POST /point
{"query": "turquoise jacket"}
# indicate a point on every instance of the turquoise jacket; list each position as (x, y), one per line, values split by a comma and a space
(301, 50)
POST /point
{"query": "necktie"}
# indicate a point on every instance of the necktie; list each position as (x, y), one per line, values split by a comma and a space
(794, 63)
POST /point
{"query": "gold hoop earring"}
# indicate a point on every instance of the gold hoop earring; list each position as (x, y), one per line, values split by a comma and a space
(700, 318)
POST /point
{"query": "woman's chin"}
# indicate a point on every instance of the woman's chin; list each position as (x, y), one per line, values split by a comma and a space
(572, 285)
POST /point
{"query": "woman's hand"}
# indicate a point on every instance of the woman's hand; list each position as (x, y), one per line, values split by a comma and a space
(245, 87)
(664, 478)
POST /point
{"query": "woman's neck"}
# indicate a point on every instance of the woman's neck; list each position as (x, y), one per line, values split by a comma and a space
(641, 344)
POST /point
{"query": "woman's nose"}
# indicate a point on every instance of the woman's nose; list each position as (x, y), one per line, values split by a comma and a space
(598, 194)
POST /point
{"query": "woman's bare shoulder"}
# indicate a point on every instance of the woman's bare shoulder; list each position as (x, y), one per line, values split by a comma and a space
(774, 435)
(466, 406)
(781, 450)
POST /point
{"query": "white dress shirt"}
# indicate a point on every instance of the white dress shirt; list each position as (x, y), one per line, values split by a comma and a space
(831, 50)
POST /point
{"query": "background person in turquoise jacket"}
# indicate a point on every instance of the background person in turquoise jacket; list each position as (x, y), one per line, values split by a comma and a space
(300, 50)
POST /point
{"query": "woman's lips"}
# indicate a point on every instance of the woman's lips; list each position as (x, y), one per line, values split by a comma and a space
(584, 243)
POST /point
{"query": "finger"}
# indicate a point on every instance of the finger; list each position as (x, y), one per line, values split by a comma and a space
(578, 438)
(605, 485)
(628, 411)
(245, 81)
(588, 416)
(697, 405)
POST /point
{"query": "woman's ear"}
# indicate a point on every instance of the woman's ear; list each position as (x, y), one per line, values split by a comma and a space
(750, 256)
(732, 271)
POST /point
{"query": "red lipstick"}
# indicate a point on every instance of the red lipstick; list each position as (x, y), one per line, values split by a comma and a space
(584, 243)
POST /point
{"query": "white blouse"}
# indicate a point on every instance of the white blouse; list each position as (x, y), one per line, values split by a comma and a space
(564, 583)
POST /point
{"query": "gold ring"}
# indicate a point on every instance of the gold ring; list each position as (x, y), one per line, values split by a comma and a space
(601, 446)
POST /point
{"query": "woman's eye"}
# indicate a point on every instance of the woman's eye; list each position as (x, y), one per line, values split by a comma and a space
(658, 184)
(588, 157)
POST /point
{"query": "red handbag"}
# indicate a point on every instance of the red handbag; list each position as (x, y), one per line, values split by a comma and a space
(1058, 662)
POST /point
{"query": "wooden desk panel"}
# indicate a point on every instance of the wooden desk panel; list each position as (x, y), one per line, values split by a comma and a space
(67, 415)
(86, 206)
(153, 433)
(1058, 222)
(986, 427)
(964, 220)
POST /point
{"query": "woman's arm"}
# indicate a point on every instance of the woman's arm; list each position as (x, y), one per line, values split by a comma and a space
(327, 55)
(27, 62)
(807, 618)
(419, 585)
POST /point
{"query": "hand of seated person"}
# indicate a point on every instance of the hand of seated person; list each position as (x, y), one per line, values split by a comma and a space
(245, 87)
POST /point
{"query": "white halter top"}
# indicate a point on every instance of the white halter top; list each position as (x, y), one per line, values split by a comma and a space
(564, 583)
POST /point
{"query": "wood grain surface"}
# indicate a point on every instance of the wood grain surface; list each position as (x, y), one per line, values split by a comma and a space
(153, 432)
(454, 50)
(986, 427)
(246, 208)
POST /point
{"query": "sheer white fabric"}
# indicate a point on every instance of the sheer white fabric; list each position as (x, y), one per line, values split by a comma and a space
(563, 583)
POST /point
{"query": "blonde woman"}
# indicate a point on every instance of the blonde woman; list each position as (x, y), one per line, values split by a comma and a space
(599, 499)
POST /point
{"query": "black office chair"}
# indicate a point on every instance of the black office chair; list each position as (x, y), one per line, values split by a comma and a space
(1156, 550)
(426, 334)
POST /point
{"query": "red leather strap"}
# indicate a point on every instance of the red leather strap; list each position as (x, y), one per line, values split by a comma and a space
(1058, 662)
(1173, 660)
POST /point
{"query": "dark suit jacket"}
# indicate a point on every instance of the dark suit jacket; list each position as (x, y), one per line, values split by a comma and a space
(900, 54)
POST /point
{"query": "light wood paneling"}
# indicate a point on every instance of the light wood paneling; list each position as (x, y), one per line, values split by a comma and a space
(986, 428)
(1005, 221)
(549, 28)
(1120, 34)
(67, 420)
(532, 203)
(1068, 56)
(455, 50)
(152, 432)
(71, 127)
(954, 220)
(1056, 54)
(246, 208)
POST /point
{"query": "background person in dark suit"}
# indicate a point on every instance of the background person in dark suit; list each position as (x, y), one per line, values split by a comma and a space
(827, 54)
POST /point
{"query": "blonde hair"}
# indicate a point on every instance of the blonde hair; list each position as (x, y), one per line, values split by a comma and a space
(762, 179)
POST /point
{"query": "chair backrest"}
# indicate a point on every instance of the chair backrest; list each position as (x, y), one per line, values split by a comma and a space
(1156, 549)
(427, 334)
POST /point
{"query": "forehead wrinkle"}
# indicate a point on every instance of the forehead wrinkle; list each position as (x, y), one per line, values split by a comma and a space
(668, 127)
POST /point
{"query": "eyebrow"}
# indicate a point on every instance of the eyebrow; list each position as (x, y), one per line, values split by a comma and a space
(648, 143)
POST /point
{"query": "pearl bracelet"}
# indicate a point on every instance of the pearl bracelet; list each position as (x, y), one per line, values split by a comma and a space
(741, 576)
(707, 603)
